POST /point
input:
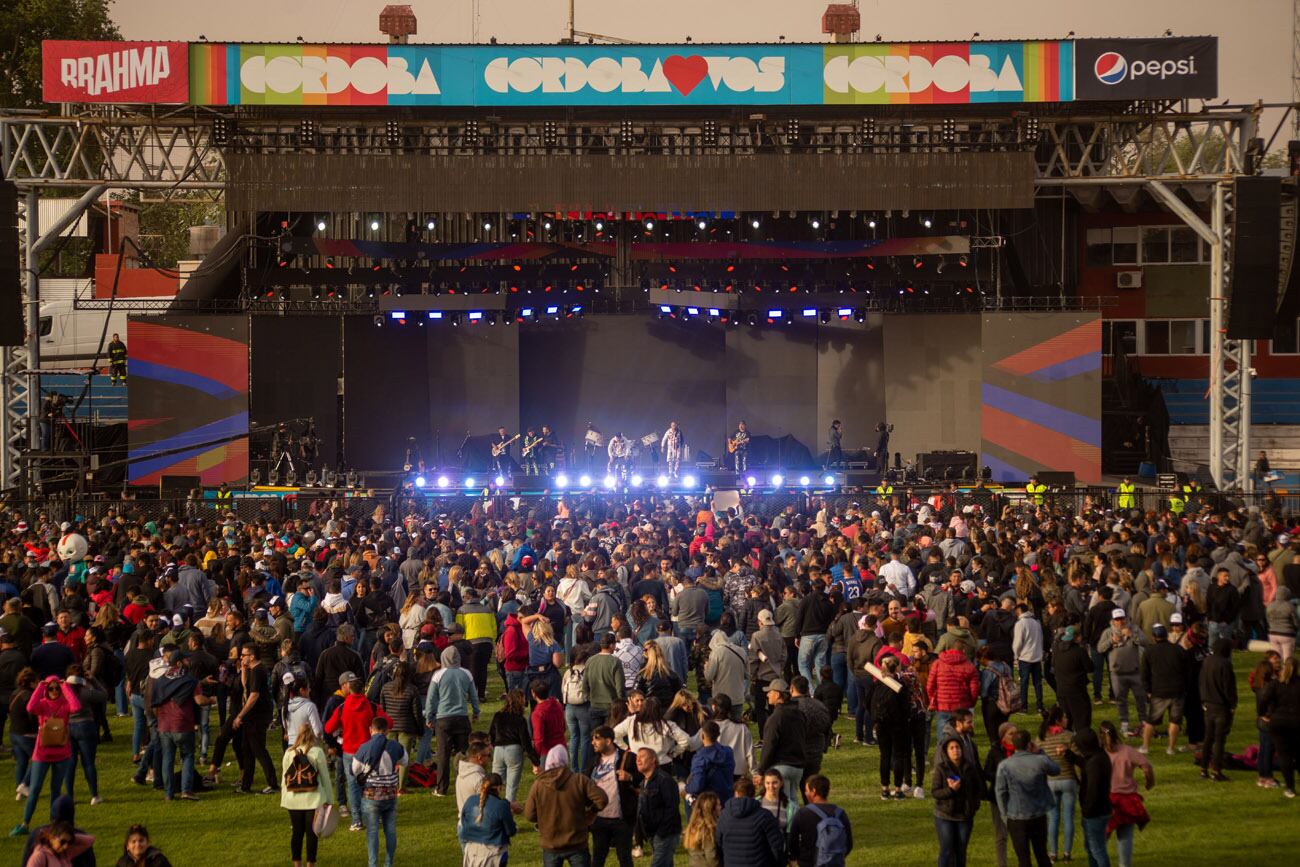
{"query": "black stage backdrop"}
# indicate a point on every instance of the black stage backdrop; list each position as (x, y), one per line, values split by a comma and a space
(771, 381)
(386, 393)
(295, 368)
(628, 373)
(473, 386)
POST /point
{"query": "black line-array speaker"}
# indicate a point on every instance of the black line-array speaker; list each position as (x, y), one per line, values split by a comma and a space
(1288, 306)
(947, 465)
(11, 305)
(1256, 249)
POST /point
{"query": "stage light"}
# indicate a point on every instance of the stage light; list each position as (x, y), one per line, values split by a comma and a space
(828, 479)
(561, 481)
(775, 314)
(692, 311)
(661, 482)
(926, 222)
(553, 310)
(546, 225)
(435, 314)
(525, 312)
(487, 225)
(584, 481)
(804, 481)
(816, 224)
(714, 311)
(664, 308)
(871, 224)
(429, 225)
(636, 480)
(600, 226)
(399, 315)
(751, 481)
(475, 315)
(374, 225)
(320, 225)
(610, 482)
(499, 481)
(810, 312)
(844, 312)
(702, 224)
(443, 481)
(688, 481)
(419, 481)
(649, 224)
(777, 480)
(754, 222)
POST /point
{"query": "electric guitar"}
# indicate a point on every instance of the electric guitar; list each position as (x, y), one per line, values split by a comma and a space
(735, 443)
(531, 444)
(498, 449)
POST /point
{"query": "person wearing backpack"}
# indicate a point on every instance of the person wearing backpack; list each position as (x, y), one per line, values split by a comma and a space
(820, 835)
(999, 697)
(577, 708)
(305, 786)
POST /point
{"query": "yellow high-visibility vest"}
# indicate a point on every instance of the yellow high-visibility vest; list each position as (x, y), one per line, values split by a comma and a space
(1036, 491)
(884, 490)
(1126, 498)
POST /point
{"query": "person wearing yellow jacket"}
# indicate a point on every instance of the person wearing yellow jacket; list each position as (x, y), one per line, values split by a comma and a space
(1126, 499)
(480, 625)
(1035, 490)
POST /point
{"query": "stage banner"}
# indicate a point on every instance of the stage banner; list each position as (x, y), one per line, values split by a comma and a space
(1148, 68)
(130, 72)
(187, 385)
(1041, 407)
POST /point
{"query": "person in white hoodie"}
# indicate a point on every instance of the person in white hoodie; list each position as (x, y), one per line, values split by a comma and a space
(300, 710)
(1027, 645)
(470, 773)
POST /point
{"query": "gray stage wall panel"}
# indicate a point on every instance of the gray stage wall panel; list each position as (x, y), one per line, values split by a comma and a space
(850, 382)
(933, 372)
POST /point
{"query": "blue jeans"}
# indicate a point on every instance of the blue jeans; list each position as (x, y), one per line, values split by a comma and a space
(85, 741)
(791, 777)
(1217, 631)
(23, 745)
(518, 680)
(424, 750)
(1031, 671)
(141, 724)
(812, 656)
(508, 761)
(58, 771)
(573, 857)
(205, 729)
(840, 674)
(1265, 751)
(1098, 672)
(119, 697)
(1094, 840)
(953, 839)
(577, 718)
(941, 719)
(1124, 844)
(354, 788)
(171, 742)
(665, 847)
(377, 813)
(1061, 816)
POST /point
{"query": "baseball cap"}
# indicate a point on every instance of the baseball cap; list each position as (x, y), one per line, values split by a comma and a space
(50, 630)
(1158, 629)
(1176, 618)
(1068, 635)
(287, 678)
(347, 677)
(778, 685)
(276, 600)
(1119, 614)
(765, 618)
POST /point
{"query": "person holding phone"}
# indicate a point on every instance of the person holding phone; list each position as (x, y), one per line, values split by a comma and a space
(52, 704)
(958, 788)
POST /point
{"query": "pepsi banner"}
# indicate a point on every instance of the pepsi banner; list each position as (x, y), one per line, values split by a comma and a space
(1124, 69)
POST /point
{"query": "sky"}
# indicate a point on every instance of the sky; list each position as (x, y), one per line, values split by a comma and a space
(1254, 48)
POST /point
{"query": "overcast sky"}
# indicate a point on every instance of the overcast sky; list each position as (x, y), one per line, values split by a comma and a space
(1255, 35)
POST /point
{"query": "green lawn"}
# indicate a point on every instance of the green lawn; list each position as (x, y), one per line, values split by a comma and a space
(1193, 821)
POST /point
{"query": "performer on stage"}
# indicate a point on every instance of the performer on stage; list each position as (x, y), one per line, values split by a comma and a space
(620, 449)
(283, 444)
(309, 446)
(672, 444)
(739, 446)
(592, 442)
(501, 451)
(549, 450)
(529, 453)
(836, 457)
(883, 431)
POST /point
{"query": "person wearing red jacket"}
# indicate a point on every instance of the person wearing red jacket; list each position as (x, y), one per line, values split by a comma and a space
(515, 645)
(352, 718)
(953, 685)
(548, 719)
(71, 635)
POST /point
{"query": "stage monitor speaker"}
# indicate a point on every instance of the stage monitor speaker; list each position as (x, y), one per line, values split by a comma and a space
(946, 466)
(1256, 250)
(1056, 480)
(11, 305)
(178, 486)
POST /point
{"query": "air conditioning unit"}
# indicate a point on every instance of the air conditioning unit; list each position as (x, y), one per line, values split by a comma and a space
(1128, 280)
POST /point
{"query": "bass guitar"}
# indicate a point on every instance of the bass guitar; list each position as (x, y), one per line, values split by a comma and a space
(498, 449)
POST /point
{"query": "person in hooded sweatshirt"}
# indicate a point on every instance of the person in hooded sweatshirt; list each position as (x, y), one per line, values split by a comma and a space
(1094, 793)
(447, 705)
(563, 805)
(1283, 622)
(713, 767)
(62, 809)
(300, 710)
(748, 835)
(353, 718)
(1218, 685)
(53, 699)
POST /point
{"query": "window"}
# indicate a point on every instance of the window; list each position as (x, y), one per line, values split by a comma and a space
(1184, 245)
(1155, 245)
(1144, 245)
(1097, 247)
(1124, 245)
(1156, 332)
(1286, 338)
(47, 325)
(1156, 336)
(1118, 334)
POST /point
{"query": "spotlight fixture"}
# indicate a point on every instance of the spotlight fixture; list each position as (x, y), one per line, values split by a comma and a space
(550, 134)
(949, 130)
(754, 222)
(701, 225)
(223, 130)
(816, 223)
(751, 481)
(636, 480)
(871, 223)
(487, 225)
(420, 481)
(307, 132)
(374, 224)
(561, 481)
(393, 134)
(828, 479)
(804, 481)
(709, 133)
(661, 482)
(777, 480)
(610, 482)
(443, 481)
(600, 225)
(927, 222)
(320, 225)
(688, 481)
(499, 481)
(584, 481)
(626, 132)
(649, 225)
(469, 481)
(430, 225)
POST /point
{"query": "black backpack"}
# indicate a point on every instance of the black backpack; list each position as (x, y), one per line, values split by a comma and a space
(301, 775)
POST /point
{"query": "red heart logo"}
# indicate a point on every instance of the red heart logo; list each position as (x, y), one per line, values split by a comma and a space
(684, 73)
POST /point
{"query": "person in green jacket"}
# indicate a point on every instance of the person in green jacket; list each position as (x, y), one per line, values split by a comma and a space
(603, 677)
(302, 802)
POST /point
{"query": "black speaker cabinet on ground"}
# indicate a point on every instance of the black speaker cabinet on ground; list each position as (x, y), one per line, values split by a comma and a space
(946, 466)
(11, 307)
(1056, 479)
(1256, 240)
(178, 486)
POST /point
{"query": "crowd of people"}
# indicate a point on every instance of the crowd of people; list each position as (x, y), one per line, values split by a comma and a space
(668, 676)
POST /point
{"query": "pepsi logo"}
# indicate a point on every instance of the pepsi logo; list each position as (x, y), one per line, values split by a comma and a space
(1110, 67)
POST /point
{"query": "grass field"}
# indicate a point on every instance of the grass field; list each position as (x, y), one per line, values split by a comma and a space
(1193, 821)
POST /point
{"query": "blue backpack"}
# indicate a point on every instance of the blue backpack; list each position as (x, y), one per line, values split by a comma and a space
(832, 838)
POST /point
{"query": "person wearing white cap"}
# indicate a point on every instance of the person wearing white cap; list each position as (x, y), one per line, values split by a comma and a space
(1123, 645)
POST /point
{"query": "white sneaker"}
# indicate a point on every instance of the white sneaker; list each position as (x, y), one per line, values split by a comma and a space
(1143, 750)
(918, 793)
(96, 801)
(343, 811)
(23, 791)
(1170, 751)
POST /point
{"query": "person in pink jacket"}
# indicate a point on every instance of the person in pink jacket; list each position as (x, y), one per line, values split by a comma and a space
(54, 699)
(57, 845)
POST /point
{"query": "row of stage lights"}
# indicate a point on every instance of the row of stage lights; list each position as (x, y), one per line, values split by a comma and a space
(636, 481)
(549, 313)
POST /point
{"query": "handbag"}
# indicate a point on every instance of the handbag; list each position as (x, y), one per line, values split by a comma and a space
(325, 821)
(53, 732)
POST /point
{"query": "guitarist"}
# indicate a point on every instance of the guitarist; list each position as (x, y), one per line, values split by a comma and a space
(501, 452)
(738, 445)
(550, 449)
(532, 445)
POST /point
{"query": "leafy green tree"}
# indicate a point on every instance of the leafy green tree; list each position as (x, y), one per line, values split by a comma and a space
(24, 23)
(165, 228)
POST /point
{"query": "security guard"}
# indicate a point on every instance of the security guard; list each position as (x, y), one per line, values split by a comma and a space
(1176, 502)
(1191, 493)
(225, 496)
(884, 490)
(117, 361)
(1035, 490)
(1126, 498)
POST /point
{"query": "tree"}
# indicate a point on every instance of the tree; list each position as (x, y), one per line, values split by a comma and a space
(25, 23)
(165, 228)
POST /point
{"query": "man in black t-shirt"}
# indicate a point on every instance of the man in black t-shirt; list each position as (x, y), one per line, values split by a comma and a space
(253, 719)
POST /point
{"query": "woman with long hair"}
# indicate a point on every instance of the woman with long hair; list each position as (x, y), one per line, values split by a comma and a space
(647, 729)
(57, 844)
(1279, 709)
(545, 654)
(774, 798)
(701, 848)
(52, 703)
(657, 678)
(577, 707)
(401, 702)
(1055, 738)
(411, 618)
(644, 624)
(957, 788)
(1127, 808)
(486, 826)
(992, 671)
(891, 713)
(1264, 673)
(511, 741)
(22, 729)
(303, 760)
